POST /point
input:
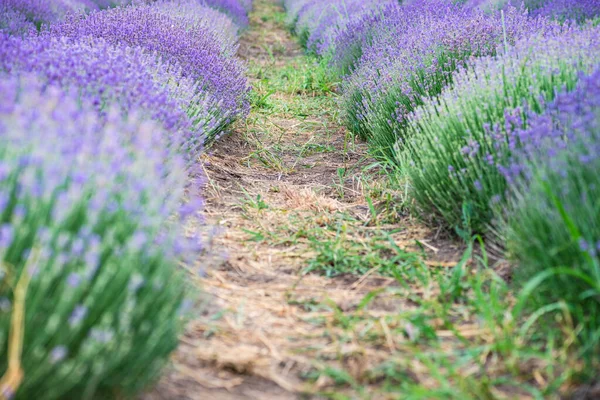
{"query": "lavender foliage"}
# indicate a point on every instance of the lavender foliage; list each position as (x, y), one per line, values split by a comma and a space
(578, 10)
(348, 39)
(318, 21)
(87, 206)
(197, 16)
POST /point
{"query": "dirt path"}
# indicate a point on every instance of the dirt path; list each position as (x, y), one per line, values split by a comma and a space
(291, 191)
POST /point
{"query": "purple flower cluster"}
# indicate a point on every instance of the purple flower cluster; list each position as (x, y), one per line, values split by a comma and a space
(577, 10)
(106, 75)
(322, 20)
(237, 10)
(473, 126)
(46, 11)
(13, 22)
(570, 125)
(201, 17)
(99, 157)
(102, 118)
(349, 39)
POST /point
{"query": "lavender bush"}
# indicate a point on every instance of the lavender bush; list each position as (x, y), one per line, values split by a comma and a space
(553, 219)
(460, 141)
(578, 10)
(190, 46)
(413, 54)
(87, 231)
(293, 8)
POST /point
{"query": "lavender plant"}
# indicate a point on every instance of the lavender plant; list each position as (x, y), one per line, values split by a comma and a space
(414, 52)
(292, 10)
(88, 245)
(552, 225)
(350, 38)
(577, 10)
(179, 42)
(460, 141)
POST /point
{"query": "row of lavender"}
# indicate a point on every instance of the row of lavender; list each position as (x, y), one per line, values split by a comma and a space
(104, 110)
(492, 113)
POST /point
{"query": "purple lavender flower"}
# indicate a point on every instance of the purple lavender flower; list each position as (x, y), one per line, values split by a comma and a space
(119, 158)
(13, 22)
(74, 280)
(552, 219)
(58, 354)
(102, 336)
(578, 10)
(489, 103)
(78, 314)
(198, 16)
(322, 21)
(6, 235)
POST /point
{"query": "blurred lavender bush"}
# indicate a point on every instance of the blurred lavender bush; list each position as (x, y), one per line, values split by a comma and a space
(86, 227)
(237, 10)
(42, 12)
(552, 224)
(102, 118)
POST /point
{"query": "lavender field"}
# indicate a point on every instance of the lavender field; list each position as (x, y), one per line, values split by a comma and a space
(299, 199)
